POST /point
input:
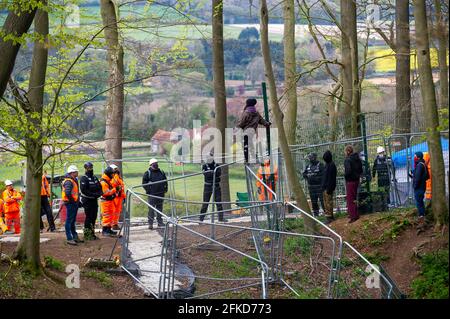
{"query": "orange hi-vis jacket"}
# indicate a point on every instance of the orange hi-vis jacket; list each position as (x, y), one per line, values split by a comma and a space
(109, 193)
(3, 227)
(45, 187)
(1, 207)
(11, 201)
(426, 158)
(75, 192)
(118, 181)
(269, 178)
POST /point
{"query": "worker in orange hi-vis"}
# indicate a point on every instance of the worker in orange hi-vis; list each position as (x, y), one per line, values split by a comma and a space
(107, 205)
(426, 158)
(268, 177)
(11, 199)
(3, 227)
(120, 196)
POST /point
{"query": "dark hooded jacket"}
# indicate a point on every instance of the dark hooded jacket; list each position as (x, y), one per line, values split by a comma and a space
(353, 168)
(152, 176)
(208, 172)
(420, 175)
(329, 174)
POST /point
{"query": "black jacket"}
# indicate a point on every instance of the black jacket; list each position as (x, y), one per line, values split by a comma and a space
(313, 173)
(352, 167)
(381, 167)
(151, 176)
(208, 172)
(329, 174)
(90, 187)
(420, 175)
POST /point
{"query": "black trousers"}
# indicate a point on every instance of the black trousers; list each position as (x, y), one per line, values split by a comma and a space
(246, 148)
(207, 193)
(316, 194)
(91, 211)
(158, 204)
(46, 210)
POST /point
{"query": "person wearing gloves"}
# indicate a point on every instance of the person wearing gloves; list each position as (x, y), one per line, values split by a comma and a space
(11, 207)
(118, 201)
(91, 190)
(70, 197)
(155, 184)
(211, 184)
(328, 185)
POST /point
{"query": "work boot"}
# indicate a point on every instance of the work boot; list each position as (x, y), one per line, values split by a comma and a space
(72, 242)
(161, 224)
(78, 240)
(106, 231)
(150, 226)
(116, 227)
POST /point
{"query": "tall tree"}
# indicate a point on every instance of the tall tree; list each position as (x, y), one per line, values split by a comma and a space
(290, 67)
(442, 35)
(292, 176)
(28, 249)
(116, 98)
(350, 67)
(16, 24)
(220, 101)
(430, 110)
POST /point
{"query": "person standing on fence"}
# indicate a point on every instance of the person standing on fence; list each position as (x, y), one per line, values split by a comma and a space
(107, 205)
(70, 197)
(420, 177)
(155, 184)
(11, 199)
(46, 208)
(91, 190)
(211, 184)
(352, 173)
(118, 181)
(382, 167)
(329, 185)
(313, 175)
(250, 119)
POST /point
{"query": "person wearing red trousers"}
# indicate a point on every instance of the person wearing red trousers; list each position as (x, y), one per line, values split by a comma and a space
(352, 173)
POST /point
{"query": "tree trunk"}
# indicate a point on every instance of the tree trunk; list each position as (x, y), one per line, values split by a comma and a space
(282, 139)
(15, 25)
(442, 35)
(290, 67)
(220, 101)
(430, 111)
(349, 60)
(28, 248)
(402, 70)
(116, 98)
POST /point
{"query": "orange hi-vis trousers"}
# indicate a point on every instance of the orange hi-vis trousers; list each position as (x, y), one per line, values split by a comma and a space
(118, 203)
(13, 218)
(108, 209)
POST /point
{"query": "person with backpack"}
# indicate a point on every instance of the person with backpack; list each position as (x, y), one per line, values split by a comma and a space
(155, 184)
(352, 173)
(420, 177)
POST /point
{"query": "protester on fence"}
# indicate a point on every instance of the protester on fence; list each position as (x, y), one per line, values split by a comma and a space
(313, 175)
(420, 177)
(212, 185)
(107, 205)
(427, 159)
(3, 227)
(11, 207)
(118, 201)
(329, 185)
(352, 172)
(250, 119)
(70, 197)
(46, 208)
(268, 174)
(383, 166)
(91, 190)
(155, 184)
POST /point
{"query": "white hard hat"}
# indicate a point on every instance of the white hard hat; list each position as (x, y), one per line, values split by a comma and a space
(153, 161)
(380, 149)
(8, 182)
(72, 169)
(114, 166)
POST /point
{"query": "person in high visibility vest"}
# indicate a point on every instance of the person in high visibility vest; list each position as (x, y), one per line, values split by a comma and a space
(269, 178)
(107, 205)
(427, 159)
(45, 204)
(3, 227)
(11, 207)
(70, 197)
(118, 201)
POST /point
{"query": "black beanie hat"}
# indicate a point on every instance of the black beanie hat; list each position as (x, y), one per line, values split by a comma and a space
(250, 102)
